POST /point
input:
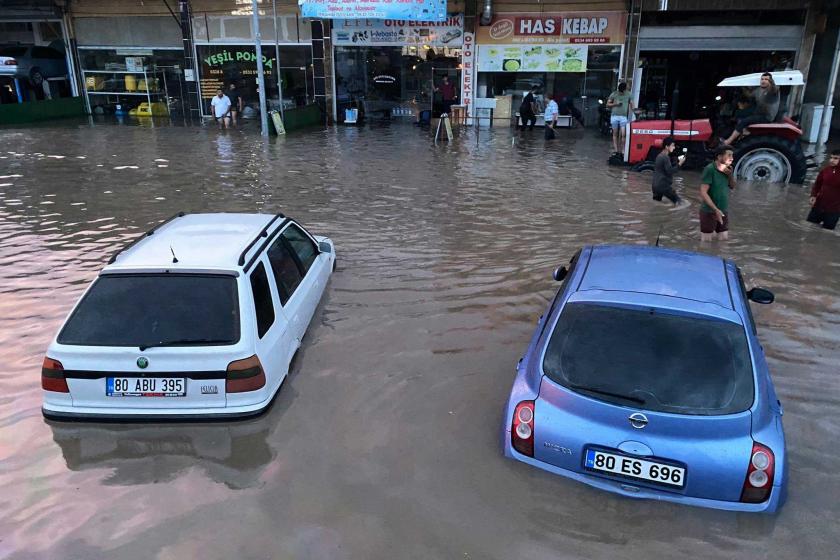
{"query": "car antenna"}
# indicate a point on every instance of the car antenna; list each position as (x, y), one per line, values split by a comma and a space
(175, 259)
(658, 235)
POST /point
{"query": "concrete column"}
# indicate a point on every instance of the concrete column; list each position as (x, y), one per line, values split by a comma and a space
(814, 21)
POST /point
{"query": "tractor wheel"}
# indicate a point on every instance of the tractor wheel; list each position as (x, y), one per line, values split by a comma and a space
(770, 158)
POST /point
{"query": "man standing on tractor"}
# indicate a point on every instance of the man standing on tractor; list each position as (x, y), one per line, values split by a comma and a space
(620, 106)
(716, 182)
(766, 99)
(825, 195)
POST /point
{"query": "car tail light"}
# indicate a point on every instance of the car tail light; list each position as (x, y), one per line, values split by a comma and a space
(245, 375)
(759, 481)
(522, 429)
(10, 62)
(52, 376)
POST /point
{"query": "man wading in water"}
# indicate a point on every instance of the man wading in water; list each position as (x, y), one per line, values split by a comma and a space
(716, 182)
(825, 195)
(664, 171)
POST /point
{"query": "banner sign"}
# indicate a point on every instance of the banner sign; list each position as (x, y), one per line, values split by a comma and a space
(566, 28)
(399, 32)
(467, 73)
(415, 10)
(532, 58)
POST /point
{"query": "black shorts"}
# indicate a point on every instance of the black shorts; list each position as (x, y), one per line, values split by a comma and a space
(827, 219)
(709, 223)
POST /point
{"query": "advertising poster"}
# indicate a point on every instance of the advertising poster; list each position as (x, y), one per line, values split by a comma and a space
(532, 58)
(415, 10)
(398, 33)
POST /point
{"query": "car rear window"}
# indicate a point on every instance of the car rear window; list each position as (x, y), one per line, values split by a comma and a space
(13, 51)
(651, 360)
(156, 309)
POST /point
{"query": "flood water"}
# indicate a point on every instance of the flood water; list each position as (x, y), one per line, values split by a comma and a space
(384, 441)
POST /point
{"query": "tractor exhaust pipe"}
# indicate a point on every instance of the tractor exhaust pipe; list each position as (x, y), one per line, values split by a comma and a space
(675, 98)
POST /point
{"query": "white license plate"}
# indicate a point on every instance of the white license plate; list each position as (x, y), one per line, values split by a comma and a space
(146, 387)
(635, 468)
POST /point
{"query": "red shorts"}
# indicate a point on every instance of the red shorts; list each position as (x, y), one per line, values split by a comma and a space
(709, 223)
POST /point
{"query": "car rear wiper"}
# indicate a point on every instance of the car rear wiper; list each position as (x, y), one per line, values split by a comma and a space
(630, 398)
(183, 341)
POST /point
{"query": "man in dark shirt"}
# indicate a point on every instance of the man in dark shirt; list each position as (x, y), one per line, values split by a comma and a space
(825, 195)
(527, 111)
(447, 93)
(235, 103)
(664, 171)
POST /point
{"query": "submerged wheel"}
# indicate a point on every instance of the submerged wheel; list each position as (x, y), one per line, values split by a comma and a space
(770, 158)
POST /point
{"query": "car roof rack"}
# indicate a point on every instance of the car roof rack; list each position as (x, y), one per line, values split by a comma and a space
(263, 233)
(145, 235)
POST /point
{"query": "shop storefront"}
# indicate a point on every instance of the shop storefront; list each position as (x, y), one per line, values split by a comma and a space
(576, 56)
(131, 65)
(693, 51)
(225, 55)
(397, 68)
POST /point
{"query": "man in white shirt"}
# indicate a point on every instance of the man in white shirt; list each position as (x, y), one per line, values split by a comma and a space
(551, 112)
(221, 108)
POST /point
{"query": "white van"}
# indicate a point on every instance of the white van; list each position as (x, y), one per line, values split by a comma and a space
(200, 316)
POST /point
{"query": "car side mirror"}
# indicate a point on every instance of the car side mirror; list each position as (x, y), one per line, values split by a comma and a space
(324, 247)
(560, 273)
(760, 295)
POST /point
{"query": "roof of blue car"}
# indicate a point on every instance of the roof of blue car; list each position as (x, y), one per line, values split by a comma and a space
(659, 271)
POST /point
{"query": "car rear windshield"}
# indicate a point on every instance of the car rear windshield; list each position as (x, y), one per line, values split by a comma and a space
(13, 51)
(156, 309)
(651, 360)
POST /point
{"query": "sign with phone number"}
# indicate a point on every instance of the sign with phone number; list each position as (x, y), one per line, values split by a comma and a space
(416, 10)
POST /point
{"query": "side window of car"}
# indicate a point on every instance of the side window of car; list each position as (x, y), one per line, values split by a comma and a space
(286, 271)
(44, 52)
(263, 304)
(746, 301)
(303, 246)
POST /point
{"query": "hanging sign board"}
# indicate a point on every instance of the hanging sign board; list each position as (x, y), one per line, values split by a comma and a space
(587, 28)
(398, 33)
(416, 10)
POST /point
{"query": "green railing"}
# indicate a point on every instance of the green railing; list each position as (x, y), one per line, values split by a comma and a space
(34, 111)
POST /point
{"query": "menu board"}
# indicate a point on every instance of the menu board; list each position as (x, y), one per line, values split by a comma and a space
(532, 58)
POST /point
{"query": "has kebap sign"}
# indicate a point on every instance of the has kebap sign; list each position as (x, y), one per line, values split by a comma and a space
(586, 28)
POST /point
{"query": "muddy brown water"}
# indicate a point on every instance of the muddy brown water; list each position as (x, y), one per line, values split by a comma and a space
(384, 441)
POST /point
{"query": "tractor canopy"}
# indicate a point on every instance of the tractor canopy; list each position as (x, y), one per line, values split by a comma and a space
(782, 78)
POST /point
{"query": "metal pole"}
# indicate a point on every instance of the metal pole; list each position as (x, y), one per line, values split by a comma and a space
(277, 60)
(260, 75)
(825, 122)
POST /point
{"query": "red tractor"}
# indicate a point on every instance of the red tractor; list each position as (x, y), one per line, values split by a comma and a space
(766, 152)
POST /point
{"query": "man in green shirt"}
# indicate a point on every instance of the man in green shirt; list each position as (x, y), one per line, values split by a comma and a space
(620, 105)
(715, 184)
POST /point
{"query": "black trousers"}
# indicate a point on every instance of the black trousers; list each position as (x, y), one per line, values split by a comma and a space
(528, 118)
(549, 133)
(827, 219)
(668, 193)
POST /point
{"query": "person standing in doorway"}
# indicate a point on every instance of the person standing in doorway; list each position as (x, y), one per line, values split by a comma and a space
(235, 103)
(527, 111)
(620, 106)
(551, 112)
(825, 195)
(766, 99)
(447, 94)
(664, 171)
(221, 108)
(715, 184)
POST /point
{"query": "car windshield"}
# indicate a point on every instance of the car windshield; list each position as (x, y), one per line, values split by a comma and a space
(156, 309)
(13, 51)
(651, 359)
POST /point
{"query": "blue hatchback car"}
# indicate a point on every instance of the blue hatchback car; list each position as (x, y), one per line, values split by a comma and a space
(646, 378)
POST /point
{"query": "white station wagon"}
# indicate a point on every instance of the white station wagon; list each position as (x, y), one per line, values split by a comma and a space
(200, 316)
